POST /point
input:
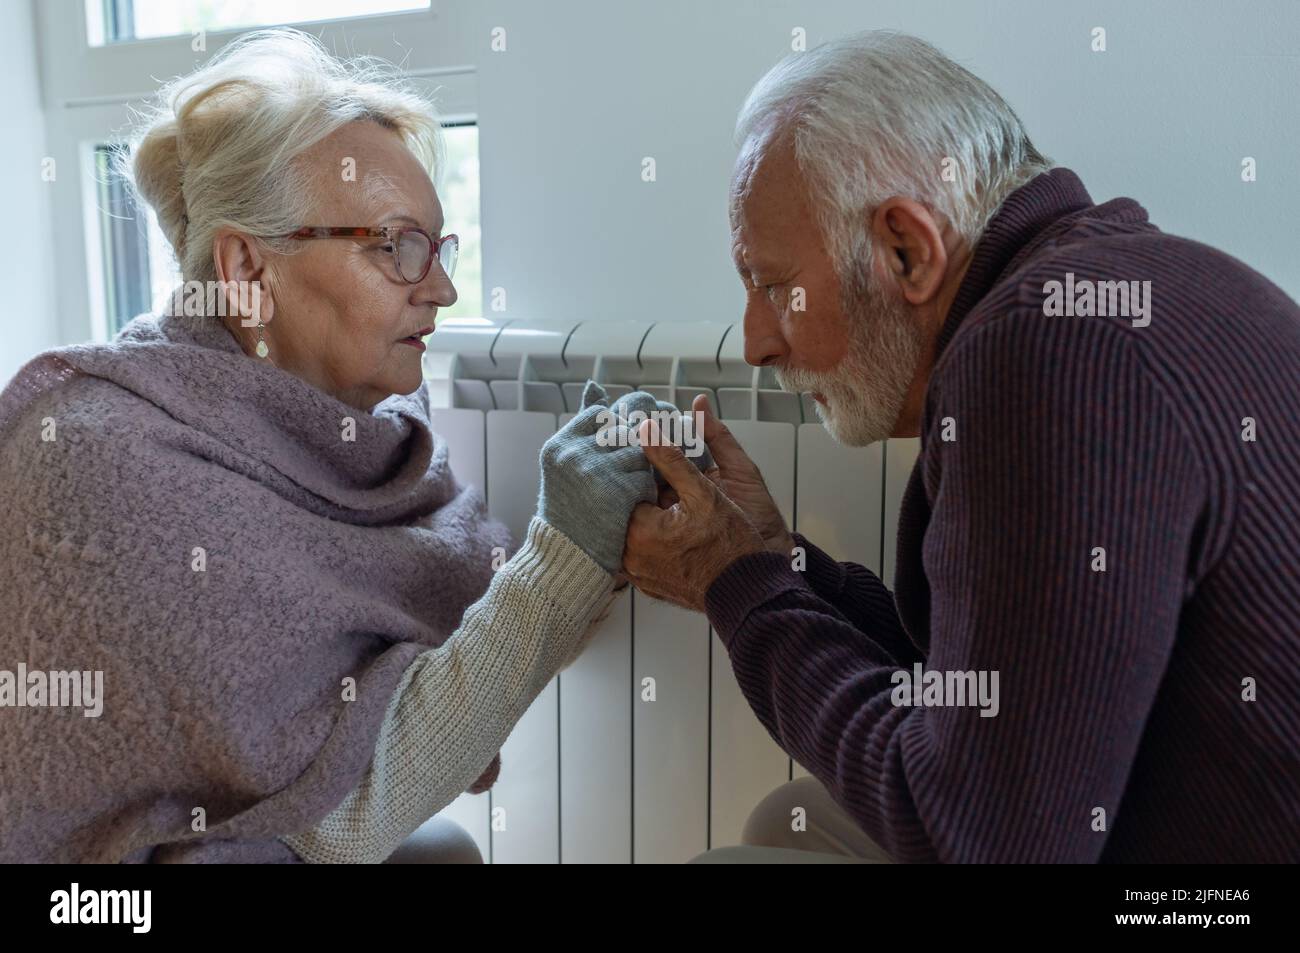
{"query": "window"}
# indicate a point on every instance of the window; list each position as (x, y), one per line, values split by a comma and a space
(460, 208)
(139, 268)
(126, 266)
(113, 21)
(140, 271)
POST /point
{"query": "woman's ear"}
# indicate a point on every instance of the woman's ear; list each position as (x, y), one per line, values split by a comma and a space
(244, 274)
(262, 299)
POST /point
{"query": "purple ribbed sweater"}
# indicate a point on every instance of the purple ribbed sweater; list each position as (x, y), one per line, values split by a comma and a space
(1119, 689)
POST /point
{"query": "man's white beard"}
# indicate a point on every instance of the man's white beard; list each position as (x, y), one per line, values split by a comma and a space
(866, 391)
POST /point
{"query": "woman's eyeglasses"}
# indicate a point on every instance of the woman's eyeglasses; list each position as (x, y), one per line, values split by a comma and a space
(413, 248)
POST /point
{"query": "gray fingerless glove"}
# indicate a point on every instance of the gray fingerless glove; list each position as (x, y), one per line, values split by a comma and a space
(647, 404)
(590, 484)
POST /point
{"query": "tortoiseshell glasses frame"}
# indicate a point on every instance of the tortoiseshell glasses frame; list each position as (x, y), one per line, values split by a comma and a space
(413, 248)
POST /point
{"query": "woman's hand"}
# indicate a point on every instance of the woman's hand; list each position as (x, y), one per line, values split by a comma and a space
(642, 403)
(487, 778)
(593, 473)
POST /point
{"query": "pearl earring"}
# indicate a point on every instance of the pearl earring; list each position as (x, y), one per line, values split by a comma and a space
(262, 349)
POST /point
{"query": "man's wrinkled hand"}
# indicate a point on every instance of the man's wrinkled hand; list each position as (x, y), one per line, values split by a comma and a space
(675, 553)
(736, 475)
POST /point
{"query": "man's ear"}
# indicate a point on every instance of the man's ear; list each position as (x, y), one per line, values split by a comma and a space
(244, 273)
(915, 257)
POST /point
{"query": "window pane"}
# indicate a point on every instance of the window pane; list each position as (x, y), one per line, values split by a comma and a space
(115, 20)
(459, 196)
(139, 268)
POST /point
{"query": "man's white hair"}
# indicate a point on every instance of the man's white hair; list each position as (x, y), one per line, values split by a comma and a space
(875, 115)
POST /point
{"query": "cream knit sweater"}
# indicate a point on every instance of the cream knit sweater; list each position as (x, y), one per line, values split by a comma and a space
(457, 703)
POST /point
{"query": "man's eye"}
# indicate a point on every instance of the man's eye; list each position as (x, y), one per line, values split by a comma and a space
(388, 247)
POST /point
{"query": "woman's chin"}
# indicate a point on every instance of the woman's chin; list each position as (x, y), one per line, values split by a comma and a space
(408, 382)
(400, 380)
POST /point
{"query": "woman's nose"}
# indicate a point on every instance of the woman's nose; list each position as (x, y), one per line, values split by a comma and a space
(436, 288)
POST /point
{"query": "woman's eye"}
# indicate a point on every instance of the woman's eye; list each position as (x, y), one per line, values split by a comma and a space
(388, 247)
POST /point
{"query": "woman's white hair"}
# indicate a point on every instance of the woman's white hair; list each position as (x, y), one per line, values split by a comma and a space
(217, 148)
(875, 115)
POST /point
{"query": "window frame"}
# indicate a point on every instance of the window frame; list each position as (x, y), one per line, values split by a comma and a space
(89, 92)
(121, 10)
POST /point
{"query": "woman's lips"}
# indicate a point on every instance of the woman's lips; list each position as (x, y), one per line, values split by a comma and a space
(416, 340)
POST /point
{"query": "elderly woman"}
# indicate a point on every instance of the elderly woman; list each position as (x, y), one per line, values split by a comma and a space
(247, 529)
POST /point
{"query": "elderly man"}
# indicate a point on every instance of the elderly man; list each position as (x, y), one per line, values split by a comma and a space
(1103, 518)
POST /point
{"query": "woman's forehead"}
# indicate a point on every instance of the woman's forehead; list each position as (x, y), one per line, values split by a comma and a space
(369, 170)
(378, 190)
(390, 198)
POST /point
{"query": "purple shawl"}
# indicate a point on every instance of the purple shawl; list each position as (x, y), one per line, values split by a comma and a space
(192, 523)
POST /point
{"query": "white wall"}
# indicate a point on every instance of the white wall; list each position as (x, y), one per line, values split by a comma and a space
(1186, 88)
(585, 89)
(27, 324)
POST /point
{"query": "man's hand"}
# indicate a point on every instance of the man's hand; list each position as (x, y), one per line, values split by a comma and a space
(739, 479)
(676, 553)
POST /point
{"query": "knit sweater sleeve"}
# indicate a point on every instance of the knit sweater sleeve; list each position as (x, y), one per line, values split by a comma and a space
(457, 703)
(860, 596)
(1068, 452)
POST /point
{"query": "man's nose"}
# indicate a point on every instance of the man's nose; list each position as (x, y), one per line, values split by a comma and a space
(764, 343)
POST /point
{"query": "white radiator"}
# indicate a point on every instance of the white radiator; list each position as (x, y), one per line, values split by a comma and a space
(593, 773)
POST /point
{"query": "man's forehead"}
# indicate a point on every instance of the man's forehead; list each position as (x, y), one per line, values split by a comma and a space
(752, 153)
(766, 187)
